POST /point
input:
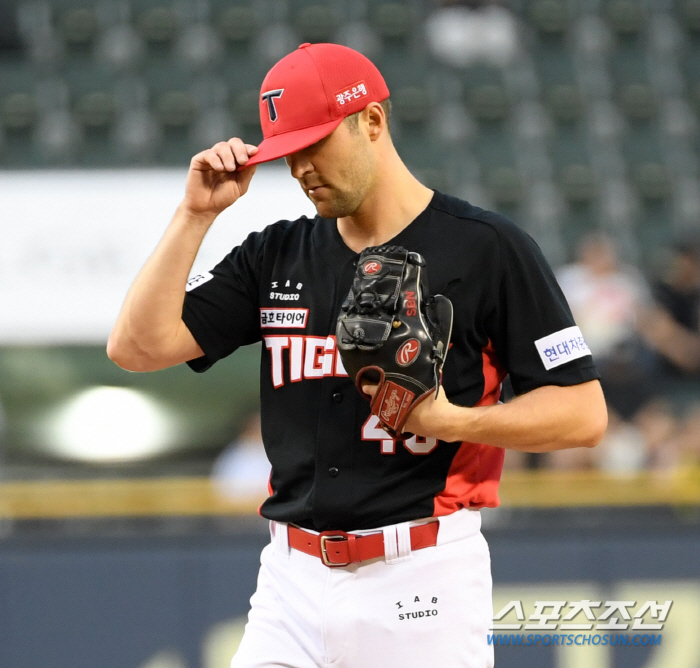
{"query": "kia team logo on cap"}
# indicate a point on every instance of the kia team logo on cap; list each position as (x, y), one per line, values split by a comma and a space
(408, 352)
(371, 267)
(269, 97)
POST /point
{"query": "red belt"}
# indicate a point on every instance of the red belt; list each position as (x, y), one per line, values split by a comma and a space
(337, 548)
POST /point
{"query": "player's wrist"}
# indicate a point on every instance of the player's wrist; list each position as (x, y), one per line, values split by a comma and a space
(193, 216)
(452, 420)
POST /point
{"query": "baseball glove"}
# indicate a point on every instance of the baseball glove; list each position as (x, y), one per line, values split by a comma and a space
(391, 333)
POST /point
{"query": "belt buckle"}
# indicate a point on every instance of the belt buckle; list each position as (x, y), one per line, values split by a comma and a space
(334, 537)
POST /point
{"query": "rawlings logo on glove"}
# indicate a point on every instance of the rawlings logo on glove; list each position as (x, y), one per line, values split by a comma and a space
(392, 333)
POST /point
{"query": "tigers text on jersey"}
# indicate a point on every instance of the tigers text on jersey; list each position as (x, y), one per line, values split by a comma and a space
(332, 467)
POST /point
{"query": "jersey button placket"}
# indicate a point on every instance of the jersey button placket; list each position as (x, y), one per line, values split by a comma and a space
(333, 472)
(337, 397)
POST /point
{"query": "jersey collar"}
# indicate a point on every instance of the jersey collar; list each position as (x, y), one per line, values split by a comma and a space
(332, 248)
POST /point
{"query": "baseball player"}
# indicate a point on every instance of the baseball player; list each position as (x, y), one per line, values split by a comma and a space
(376, 557)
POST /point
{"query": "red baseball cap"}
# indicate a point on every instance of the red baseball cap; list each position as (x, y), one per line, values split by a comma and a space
(308, 93)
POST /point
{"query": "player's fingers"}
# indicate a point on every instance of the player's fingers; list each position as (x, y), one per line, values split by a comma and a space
(226, 153)
(219, 157)
(208, 159)
(370, 389)
(240, 151)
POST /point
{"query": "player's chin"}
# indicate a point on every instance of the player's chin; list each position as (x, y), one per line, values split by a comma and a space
(326, 207)
(331, 206)
(324, 210)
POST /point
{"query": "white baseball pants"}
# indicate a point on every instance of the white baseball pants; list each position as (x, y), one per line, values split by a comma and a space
(426, 608)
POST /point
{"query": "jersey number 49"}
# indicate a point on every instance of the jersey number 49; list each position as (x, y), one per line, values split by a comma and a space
(416, 445)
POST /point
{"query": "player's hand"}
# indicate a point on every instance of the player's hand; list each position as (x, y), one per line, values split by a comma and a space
(218, 177)
(431, 418)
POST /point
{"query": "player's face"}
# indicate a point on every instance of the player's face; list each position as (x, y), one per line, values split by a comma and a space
(337, 172)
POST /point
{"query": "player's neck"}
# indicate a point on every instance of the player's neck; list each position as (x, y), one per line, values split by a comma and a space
(393, 203)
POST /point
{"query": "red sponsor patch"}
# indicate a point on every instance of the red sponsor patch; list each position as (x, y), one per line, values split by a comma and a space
(408, 352)
(371, 267)
(356, 91)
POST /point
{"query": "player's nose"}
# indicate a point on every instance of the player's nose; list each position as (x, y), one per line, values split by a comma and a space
(299, 164)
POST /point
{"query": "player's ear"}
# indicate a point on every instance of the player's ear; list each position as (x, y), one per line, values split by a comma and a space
(375, 118)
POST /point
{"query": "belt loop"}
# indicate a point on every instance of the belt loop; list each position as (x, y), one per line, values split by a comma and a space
(403, 539)
(280, 534)
(397, 543)
(391, 548)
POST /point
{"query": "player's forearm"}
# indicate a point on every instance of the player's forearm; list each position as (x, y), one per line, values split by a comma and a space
(547, 418)
(145, 336)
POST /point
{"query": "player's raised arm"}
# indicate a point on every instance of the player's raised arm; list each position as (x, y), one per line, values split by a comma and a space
(149, 333)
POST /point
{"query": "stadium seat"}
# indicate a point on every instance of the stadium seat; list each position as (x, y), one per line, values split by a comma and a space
(130, 92)
(214, 124)
(199, 46)
(677, 119)
(238, 25)
(570, 145)
(554, 64)
(625, 17)
(638, 102)
(393, 21)
(95, 110)
(18, 111)
(175, 109)
(159, 26)
(652, 181)
(578, 183)
(642, 144)
(592, 36)
(565, 103)
(120, 47)
(493, 147)
(689, 15)
(547, 209)
(359, 35)
(57, 136)
(411, 106)
(275, 41)
(137, 136)
(687, 201)
(316, 23)
(44, 47)
(451, 123)
(78, 27)
(629, 62)
(550, 18)
(505, 187)
(664, 35)
(531, 121)
(605, 122)
(488, 103)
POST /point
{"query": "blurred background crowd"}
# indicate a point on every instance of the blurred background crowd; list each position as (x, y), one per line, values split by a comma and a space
(577, 118)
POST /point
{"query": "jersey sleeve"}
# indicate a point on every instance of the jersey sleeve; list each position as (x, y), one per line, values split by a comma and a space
(532, 328)
(221, 306)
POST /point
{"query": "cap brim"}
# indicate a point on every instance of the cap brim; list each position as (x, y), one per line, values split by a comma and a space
(283, 144)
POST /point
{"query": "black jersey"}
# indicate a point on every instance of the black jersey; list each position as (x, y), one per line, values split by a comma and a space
(332, 467)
